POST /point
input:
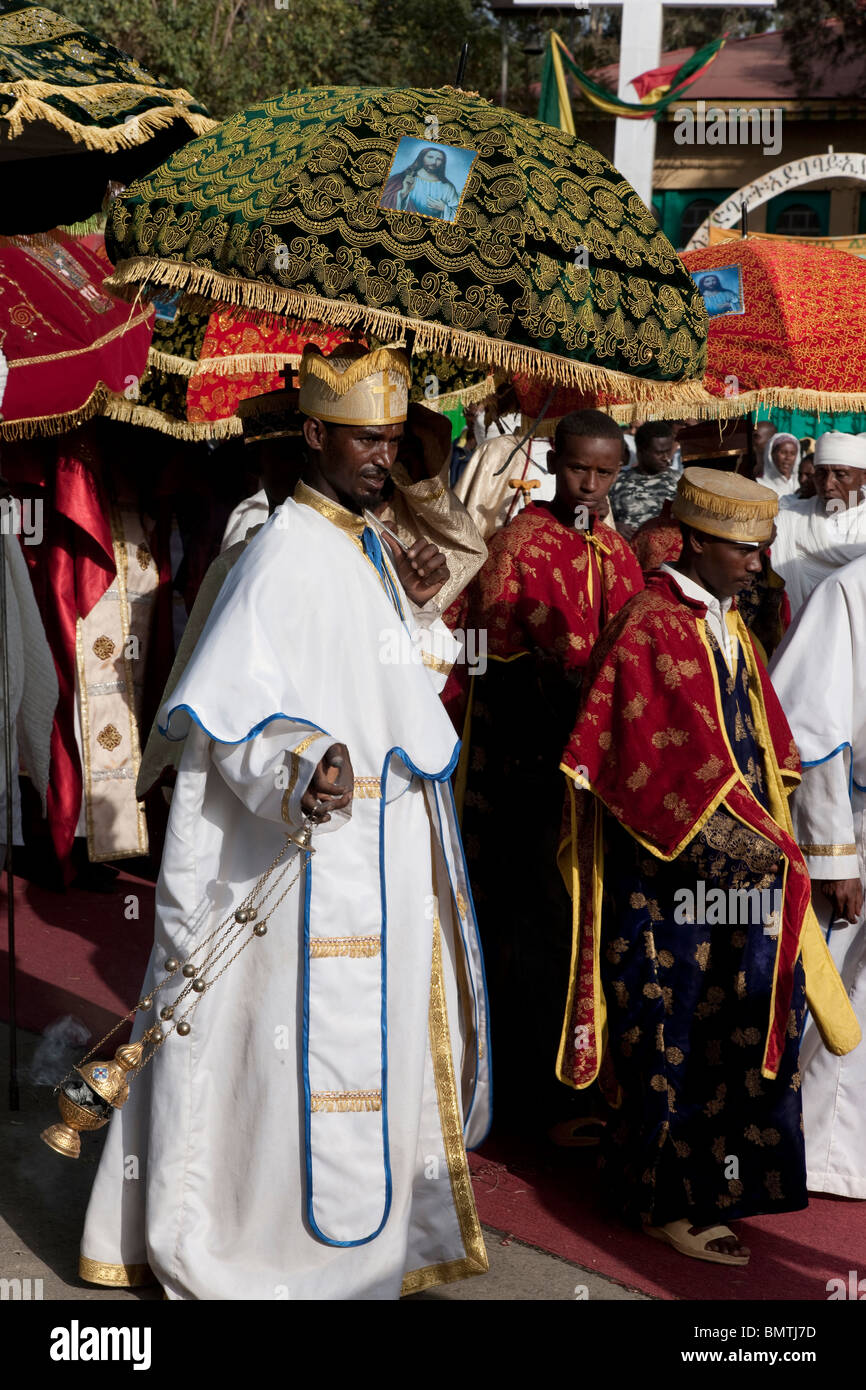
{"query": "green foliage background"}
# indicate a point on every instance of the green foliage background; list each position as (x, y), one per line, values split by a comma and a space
(230, 53)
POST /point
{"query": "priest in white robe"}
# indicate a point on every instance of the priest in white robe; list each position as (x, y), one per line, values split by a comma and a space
(305, 1138)
(819, 672)
(817, 535)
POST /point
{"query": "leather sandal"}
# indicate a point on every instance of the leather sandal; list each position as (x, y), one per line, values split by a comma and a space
(678, 1234)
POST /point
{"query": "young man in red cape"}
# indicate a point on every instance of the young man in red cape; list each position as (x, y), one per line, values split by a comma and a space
(695, 945)
(553, 577)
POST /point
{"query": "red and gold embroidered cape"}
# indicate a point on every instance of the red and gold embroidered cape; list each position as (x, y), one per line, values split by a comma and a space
(650, 744)
(544, 586)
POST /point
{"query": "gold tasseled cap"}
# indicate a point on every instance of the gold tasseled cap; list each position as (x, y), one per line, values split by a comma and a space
(726, 505)
(353, 386)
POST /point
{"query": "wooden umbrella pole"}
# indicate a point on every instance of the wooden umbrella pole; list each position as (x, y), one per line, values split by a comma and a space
(14, 1099)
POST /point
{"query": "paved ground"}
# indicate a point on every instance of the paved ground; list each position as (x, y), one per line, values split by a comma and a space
(43, 1198)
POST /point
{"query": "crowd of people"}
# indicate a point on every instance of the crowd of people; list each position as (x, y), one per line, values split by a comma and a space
(573, 658)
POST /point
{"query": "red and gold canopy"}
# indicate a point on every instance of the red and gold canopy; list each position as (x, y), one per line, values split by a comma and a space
(787, 330)
(69, 343)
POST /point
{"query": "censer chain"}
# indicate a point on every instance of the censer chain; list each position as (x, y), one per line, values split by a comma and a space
(209, 961)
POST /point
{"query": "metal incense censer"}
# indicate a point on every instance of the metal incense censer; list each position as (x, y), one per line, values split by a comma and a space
(87, 1104)
(87, 1095)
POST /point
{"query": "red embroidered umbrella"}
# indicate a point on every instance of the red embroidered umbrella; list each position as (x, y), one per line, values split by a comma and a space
(201, 366)
(787, 331)
(68, 342)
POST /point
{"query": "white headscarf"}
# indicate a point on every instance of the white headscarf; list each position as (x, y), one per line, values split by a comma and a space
(772, 477)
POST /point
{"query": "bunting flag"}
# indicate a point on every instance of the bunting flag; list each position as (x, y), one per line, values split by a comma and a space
(657, 89)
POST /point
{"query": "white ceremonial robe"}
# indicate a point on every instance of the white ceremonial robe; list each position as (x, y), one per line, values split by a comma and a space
(810, 544)
(306, 1140)
(819, 672)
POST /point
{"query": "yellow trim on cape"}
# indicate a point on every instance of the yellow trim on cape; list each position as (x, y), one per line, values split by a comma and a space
(825, 992)
(651, 848)
(572, 882)
(475, 1259)
(334, 512)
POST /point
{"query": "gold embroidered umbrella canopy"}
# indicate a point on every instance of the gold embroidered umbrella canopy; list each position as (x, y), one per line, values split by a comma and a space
(487, 235)
(76, 113)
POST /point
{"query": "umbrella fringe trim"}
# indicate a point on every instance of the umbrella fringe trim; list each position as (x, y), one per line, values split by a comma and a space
(713, 408)
(146, 417)
(229, 291)
(240, 365)
(464, 395)
(42, 426)
(120, 137)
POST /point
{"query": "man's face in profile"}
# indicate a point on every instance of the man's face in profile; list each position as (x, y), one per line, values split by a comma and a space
(840, 488)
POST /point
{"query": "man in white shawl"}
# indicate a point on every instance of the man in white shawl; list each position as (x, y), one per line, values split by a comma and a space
(819, 673)
(305, 1139)
(816, 535)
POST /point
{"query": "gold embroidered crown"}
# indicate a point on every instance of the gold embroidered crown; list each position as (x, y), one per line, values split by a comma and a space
(726, 505)
(353, 386)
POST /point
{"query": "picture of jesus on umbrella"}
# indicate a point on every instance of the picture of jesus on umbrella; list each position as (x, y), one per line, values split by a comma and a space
(722, 290)
(427, 179)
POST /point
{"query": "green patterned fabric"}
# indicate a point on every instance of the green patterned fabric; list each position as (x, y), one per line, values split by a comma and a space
(533, 253)
(42, 53)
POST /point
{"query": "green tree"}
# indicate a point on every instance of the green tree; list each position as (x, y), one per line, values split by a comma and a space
(823, 32)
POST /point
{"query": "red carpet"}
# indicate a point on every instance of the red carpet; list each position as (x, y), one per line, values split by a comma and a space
(80, 954)
(548, 1198)
(77, 953)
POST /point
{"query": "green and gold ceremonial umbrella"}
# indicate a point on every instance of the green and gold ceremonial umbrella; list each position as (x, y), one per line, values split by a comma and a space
(486, 235)
(76, 113)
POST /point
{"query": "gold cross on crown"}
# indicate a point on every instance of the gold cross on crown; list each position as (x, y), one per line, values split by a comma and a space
(384, 390)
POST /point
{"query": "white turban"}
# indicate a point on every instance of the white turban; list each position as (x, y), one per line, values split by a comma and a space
(835, 450)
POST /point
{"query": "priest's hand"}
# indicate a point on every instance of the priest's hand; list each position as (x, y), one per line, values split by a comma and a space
(331, 786)
(422, 569)
(846, 897)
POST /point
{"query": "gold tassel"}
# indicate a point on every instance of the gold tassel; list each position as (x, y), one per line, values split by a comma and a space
(214, 287)
(716, 408)
(466, 395)
(45, 425)
(238, 365)
(131, 413)
(30, 107)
